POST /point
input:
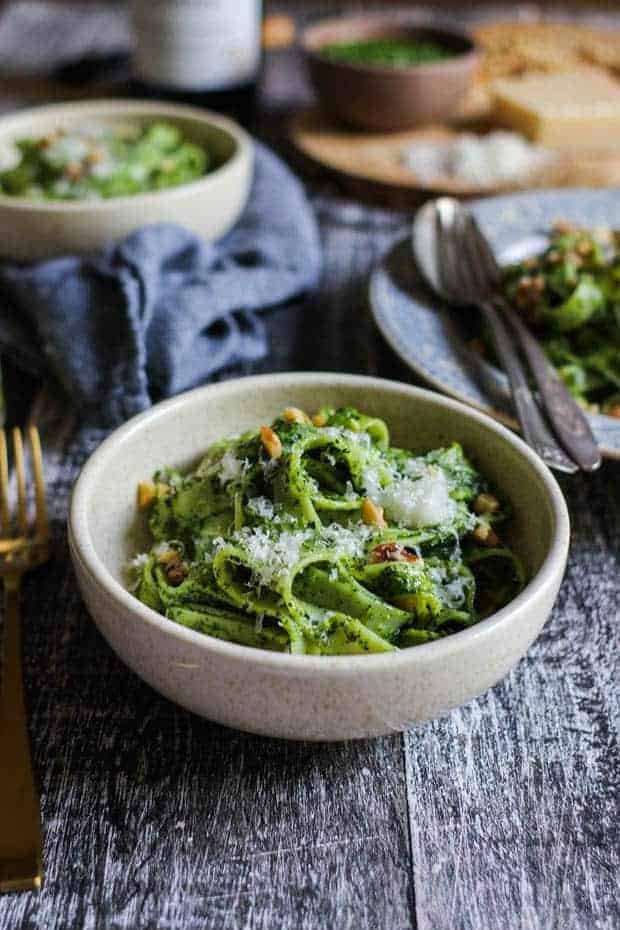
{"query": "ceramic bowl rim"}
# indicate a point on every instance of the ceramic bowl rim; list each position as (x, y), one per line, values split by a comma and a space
(83, 549)
(111, 106)
(392, 22)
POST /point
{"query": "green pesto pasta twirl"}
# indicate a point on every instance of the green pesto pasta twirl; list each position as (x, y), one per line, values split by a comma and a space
(316, 536)
(99, 161)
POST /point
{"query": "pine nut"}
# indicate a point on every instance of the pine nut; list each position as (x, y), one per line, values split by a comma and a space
(373, 515)
(486, 536)
(271, 442)
(486, 503)
(169, 557)
(295, 415)
(146, 494)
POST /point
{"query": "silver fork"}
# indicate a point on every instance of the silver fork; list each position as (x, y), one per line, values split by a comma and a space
(568, 420)
(460, 285)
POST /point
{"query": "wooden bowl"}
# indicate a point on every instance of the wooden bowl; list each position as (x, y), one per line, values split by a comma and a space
(388, 98)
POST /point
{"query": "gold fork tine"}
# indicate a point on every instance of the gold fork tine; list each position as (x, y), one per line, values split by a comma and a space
(5, 513)
(20, 475)
(42, 518)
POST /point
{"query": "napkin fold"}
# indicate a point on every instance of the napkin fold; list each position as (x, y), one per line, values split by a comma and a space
(162, 311)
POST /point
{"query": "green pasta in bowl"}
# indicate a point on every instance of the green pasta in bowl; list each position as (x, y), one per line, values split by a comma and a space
(102, 161)
(75, 177)
(315, 536)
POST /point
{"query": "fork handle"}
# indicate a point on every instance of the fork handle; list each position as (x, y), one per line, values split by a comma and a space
(535, 430)
(20, 824)
(569, 422)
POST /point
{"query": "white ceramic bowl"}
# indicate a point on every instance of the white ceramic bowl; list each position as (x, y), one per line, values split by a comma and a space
(310, 697)
(31, 230)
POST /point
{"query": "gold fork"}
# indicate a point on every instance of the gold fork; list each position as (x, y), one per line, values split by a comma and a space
(21, 548)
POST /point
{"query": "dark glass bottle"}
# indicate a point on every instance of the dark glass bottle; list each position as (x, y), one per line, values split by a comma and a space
(202, 52)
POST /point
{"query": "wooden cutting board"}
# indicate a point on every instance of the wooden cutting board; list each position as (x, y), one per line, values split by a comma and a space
(371, 164)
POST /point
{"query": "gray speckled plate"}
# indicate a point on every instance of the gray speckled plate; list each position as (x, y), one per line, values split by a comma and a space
(432, 339)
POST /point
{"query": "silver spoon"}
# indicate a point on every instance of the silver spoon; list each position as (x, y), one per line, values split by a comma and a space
(440, 252)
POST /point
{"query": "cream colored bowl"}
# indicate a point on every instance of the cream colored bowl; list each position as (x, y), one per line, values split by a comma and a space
(31, 230)
(310, 697)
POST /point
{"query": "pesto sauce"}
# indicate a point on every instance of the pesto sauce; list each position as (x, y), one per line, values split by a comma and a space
(388, 53)
(271, 542)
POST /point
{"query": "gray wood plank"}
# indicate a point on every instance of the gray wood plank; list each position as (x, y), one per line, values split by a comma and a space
(155, 818)
(514, 798)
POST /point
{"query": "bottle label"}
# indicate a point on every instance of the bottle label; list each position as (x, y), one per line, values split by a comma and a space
(196, 45)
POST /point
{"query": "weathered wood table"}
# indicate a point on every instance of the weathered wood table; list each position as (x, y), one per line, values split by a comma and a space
(502, 816)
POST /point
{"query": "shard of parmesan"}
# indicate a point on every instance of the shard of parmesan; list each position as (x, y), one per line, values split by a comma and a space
(422, 499)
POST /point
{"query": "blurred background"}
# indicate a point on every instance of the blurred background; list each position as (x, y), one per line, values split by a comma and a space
(37, 35)
(55, 50)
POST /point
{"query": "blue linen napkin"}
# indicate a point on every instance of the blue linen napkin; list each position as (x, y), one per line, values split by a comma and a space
(161, 311)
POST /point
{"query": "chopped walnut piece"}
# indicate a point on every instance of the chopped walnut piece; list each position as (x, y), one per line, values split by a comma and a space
(373, 514)
(486, 535)
(528, 292)
(584, 248)
(174, 567)
(394, 552)
(176, 574)
(486, 503)
(271, 442)
(74, 170)
(48, 140)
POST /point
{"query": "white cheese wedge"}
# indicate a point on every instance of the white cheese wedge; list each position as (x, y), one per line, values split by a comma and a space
(579, 108)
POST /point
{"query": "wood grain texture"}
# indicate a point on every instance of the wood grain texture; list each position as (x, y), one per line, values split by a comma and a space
(372, 164)
(156, 819)
(514, 798)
